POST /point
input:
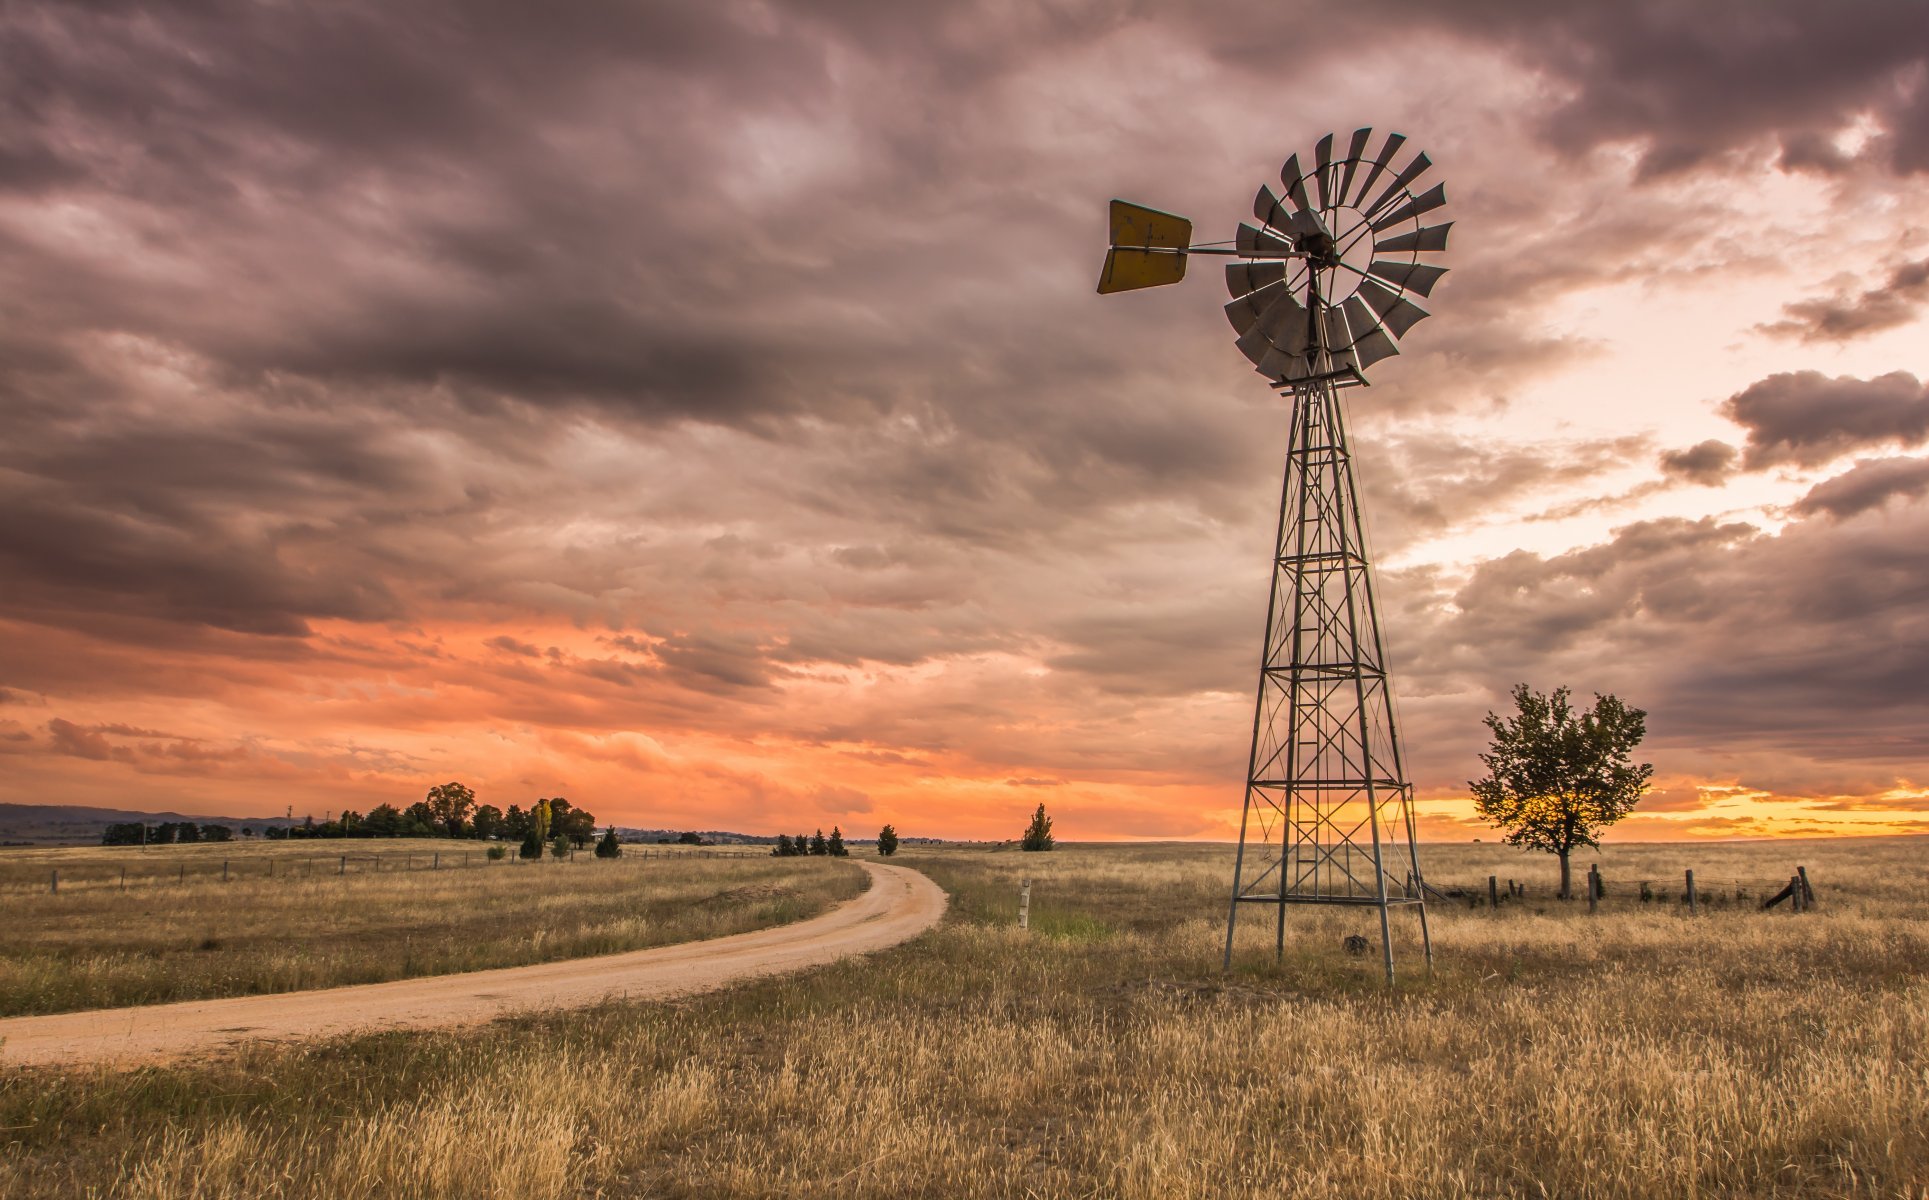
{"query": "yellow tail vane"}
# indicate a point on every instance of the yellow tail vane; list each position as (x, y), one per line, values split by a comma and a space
(1144, 241)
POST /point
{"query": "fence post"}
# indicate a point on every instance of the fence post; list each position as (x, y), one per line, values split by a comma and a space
(1808, 893)
(182, 876)
(54, 887)
(1593, 887)
(1795, 894)
(1024, 904)
(1691, 893)
(341, 868)
(435, 863)
(1493, 892)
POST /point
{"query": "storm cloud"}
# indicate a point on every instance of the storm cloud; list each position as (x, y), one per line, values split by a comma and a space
(704, 407)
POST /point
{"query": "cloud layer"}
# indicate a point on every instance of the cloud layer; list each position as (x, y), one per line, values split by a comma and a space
(704, 409)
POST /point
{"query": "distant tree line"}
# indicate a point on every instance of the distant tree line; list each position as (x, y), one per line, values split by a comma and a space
(167, 833)
(449, 810)
(814, 844)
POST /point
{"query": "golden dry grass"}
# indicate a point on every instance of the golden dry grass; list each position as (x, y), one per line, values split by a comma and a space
(1636, 1053)
(177, 931)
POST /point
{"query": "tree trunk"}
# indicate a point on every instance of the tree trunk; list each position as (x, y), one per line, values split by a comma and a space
(1567, 885)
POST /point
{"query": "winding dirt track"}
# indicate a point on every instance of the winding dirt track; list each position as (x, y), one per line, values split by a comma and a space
(899, 905)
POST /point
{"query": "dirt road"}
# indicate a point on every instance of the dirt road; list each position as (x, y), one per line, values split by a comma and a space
(899, 905)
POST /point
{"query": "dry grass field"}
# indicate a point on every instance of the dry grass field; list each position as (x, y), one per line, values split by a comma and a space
(294, 915)
(1634, 1053)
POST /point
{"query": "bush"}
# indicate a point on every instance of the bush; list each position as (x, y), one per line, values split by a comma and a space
(608, 847)
(531, 848)
(498, 853)
(559, 846)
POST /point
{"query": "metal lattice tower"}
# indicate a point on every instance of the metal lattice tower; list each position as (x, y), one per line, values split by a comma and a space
(1324, 288)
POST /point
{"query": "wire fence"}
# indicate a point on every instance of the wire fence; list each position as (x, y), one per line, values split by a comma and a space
(1598, 890)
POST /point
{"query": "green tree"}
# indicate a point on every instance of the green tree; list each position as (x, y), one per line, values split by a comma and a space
(887, 842)
(488, 821)
(1038, 834)
(783, 848)
(516, 823)
(1556, 777)
(835, 846)
(559, 846)
(817, 843)
(532, 846)
(608, 847)
(540, 820)
(449, 807)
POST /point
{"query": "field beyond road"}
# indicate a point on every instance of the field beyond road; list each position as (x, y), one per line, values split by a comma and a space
(295, 916)
(1638, 1052)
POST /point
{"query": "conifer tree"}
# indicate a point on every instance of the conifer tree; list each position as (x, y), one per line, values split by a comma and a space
(608, 847)
(835, 847)
(1038, 835)
(818, 845)
(887, 842)
(783, 848)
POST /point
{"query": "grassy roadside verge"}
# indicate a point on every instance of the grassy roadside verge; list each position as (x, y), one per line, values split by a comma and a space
(98, 945)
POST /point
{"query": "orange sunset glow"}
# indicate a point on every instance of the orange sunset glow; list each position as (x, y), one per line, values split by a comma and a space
(705, 412)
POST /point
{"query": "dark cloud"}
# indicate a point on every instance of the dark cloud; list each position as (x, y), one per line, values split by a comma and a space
(1695, 82)
(1805, 418)
(1870, 484)
(1746, 647)
(77, 742)
(1842, 316)
(1707, 463)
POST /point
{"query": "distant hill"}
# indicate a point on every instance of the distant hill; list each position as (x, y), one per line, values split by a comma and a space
(74, 824)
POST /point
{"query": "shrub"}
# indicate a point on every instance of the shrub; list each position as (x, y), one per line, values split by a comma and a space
(559, 846)
(498, 853)
(531, 847)
(608, 847)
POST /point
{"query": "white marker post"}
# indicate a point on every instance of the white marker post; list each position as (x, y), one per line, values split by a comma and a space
(1024, 904)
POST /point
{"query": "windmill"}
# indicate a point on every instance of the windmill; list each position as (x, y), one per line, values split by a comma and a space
(1323, 287)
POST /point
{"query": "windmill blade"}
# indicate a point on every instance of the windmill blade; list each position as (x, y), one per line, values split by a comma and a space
(1413, 208)
(1323, 156)
(1290, 178)
(1353, 153)
(1257, 243)
(1255, 347)
(1359, 318)
(1393, 143)
(1284, 325)
(1269, 210)
(1412, 172)
(1431, 237)
(1137, 225)
(1373, 347)
(1243, 279)
(1334, 329)
(1397, 313)
(1244, 311)
(1417, 278)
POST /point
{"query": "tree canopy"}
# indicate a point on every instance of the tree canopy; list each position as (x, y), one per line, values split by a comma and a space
(1556, 777)
(1038, 834)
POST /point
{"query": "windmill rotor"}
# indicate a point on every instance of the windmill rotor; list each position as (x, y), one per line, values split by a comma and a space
(1331, 272)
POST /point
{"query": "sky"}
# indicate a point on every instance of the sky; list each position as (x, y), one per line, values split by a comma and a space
(704, 410)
